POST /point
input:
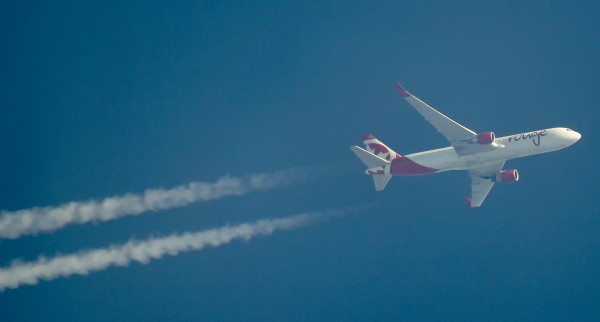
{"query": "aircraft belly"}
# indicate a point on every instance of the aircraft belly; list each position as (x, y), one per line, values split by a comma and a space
(510, 151)
(519, 149)
(442, 161)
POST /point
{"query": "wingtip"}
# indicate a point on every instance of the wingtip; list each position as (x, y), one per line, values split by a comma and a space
(470, 203)
(401, 89)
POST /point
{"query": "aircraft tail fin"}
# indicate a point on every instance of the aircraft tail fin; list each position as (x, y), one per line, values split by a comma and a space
(378, 148)
(376, 167)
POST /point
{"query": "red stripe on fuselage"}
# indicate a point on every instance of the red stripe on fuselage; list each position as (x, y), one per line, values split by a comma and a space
(404, 166)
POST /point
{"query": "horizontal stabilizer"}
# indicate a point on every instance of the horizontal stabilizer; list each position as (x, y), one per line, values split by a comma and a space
(368, 158)
(381, 181)
(373, 161)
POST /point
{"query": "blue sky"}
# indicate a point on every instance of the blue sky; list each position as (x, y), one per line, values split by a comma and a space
(105, 98)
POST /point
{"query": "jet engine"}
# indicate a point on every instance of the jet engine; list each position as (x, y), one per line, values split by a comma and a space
(485, 138)
(511, 175)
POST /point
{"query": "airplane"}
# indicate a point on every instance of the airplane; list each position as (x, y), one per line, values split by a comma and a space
(483, 155)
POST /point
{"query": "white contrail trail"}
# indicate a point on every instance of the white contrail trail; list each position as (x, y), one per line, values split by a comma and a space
(45, 219)
(85, 262)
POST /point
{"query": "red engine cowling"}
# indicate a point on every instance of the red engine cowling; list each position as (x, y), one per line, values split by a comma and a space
(486, 138)
(511, 175)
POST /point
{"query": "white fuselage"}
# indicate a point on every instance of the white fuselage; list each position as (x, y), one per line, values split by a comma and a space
(515, 146)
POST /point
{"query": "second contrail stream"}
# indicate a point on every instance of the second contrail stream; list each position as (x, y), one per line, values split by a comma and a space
(82, 263)
(46, 219)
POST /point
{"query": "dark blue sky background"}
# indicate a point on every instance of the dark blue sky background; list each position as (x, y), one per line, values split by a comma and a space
(106, 97)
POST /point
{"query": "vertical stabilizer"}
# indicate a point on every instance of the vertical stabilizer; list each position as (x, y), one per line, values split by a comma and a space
(378, 148)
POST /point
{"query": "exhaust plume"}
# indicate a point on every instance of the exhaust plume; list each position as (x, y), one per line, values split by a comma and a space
(82, 263)
(46, 219)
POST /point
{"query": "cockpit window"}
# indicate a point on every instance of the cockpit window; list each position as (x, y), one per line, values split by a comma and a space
(569, 130)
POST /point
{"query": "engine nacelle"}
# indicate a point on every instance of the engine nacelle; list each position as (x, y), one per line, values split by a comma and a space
(485, 138)
(505, 176)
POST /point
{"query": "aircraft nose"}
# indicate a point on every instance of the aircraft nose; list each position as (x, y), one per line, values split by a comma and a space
(570, 137)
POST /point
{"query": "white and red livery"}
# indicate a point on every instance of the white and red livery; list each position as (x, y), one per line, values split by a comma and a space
(482, 155)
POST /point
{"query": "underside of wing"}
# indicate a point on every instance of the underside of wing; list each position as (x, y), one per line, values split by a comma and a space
(461, 138)
(453, 131)
(481, 182)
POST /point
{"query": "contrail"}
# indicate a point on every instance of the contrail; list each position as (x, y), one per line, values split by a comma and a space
(85, 262)
(46, 219)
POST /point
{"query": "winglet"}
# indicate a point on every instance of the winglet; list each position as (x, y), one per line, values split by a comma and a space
(468, 201)
(401, 89)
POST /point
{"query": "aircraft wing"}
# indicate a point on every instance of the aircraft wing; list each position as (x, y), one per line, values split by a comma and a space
(481, 182)
(460, 137)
